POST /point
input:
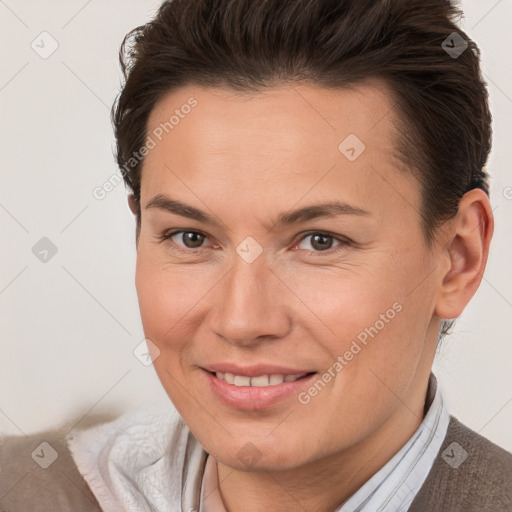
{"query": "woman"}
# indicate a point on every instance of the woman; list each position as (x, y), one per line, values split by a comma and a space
(251, 134)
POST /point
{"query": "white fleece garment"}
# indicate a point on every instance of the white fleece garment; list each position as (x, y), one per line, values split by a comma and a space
(135, 463)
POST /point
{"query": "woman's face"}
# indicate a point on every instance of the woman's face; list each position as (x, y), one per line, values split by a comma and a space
(343, 297)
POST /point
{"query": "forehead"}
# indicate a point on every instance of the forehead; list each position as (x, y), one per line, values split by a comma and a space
(277, 145)
(283, 117)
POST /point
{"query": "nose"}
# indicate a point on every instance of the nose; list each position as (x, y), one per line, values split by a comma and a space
(250, 305)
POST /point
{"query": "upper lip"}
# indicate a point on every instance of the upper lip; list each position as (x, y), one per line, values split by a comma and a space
(254, 370)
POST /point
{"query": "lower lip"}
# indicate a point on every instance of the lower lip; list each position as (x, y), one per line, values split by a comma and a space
(254, 397)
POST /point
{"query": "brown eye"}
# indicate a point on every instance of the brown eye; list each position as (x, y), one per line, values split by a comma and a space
(191, 239)
(321, 242)
(317, 243)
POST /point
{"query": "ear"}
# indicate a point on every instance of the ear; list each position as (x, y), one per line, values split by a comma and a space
(467, 248)
(133, 203)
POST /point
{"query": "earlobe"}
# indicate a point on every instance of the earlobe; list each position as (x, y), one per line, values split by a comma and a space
(468, 248)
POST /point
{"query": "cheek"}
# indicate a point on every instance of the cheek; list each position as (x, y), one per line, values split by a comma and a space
(342, 301)
(367, 315)
(164, 300)
(167, 293)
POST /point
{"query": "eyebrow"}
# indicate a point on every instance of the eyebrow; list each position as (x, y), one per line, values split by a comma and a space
(316, 211)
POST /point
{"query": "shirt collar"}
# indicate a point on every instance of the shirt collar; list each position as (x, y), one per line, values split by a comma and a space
(394, 486)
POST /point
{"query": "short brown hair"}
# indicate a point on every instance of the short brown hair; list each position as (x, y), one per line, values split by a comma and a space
(250, 45)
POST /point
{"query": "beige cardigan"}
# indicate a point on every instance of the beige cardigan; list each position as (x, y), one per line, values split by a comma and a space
(483, 482)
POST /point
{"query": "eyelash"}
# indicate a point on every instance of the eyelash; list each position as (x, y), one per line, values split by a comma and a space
(343, 242)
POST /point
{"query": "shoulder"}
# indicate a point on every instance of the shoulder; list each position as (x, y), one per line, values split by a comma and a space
(37, 473)
(470, 473)
(104, 464)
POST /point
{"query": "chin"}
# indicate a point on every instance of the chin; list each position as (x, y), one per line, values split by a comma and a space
(256, 454)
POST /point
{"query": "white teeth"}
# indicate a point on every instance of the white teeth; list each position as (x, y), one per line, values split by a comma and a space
(242, 381)
(259, 381)
(276, 379)
(262, 380)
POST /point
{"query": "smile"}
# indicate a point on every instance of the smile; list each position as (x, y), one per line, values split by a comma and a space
(257, 392)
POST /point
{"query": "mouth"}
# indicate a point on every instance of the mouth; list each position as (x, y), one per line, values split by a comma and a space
(260, 391)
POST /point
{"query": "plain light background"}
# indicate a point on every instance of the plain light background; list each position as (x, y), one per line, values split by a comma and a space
(70, 325)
